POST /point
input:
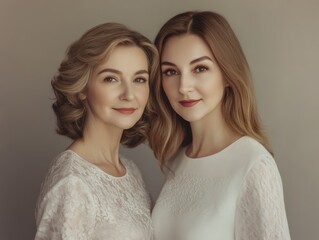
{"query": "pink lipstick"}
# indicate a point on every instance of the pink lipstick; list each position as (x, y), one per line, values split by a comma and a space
(126, 111)
(189, 102)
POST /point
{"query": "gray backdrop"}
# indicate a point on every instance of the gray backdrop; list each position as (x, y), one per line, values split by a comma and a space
(280, 39)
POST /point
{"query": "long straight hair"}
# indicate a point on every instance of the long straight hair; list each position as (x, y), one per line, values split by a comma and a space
(169, 131)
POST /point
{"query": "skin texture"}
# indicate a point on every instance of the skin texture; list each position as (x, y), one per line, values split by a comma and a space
(118, 90)
(115, 99)
(194, 86)
(192, 75)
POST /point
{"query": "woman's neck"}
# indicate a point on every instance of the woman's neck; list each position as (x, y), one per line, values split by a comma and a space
(100, 145)
(210, 137)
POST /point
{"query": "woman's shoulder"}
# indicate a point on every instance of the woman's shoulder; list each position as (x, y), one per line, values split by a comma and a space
(66, 163)
(250, 149)
(246, 153)
(130, 164)
(65, 167)
(258, 156)
(64, 176)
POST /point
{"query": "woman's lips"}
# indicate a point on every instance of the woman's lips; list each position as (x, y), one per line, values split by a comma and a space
(189, 102)
(126, 111)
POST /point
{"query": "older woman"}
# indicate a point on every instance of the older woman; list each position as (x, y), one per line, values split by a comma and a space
(101, 89)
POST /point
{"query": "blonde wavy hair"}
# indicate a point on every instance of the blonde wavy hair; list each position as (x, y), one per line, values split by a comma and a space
(169, 131)
(76, 69)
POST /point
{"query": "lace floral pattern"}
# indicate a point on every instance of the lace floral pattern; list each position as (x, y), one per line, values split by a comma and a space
(191, 194)
(260, 209)
(80, 201)
(236, 194)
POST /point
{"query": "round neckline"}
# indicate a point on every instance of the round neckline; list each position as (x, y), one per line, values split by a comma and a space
(221, 152)
(99, 169)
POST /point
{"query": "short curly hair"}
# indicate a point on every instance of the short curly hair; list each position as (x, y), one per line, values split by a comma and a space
(76, 69)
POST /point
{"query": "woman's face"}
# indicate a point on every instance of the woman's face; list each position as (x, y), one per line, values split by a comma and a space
(191, 78)
(118, 90)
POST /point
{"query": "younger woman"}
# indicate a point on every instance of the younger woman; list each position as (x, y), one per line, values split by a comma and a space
(224, 183)
(101, 89)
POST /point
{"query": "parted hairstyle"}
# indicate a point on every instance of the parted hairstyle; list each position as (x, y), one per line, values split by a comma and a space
(82, 57)
(169, 131)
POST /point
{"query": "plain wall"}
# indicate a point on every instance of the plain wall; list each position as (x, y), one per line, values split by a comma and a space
(280, 39)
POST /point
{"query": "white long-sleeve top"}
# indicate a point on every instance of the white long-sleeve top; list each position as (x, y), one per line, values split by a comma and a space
(235, 194)
(80, 201)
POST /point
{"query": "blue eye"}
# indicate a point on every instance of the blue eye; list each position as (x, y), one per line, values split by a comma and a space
(169, 72)
(199, 69)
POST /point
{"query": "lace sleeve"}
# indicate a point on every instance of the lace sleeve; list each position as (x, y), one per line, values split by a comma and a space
(65, 212)
(261, 211)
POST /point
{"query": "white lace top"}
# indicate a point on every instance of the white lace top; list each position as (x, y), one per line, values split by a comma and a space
(234, 194)
(80, 201)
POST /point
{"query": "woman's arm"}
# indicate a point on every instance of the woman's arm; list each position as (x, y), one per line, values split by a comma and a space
(66, 211)
(260, 210)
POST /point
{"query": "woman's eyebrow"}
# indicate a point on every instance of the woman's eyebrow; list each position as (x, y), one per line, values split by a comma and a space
(141, 72)
(191, 62)
(119, 72)
(201, 59)
(168, 63)
(109, 70)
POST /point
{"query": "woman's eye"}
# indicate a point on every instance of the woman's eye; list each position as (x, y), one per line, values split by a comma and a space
(140, 80)
(110, 79)
(199, 69)
(169, 72)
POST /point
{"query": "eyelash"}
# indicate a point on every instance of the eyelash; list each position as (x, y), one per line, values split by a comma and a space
(166, 72)
(110, 79)
(197, 69)
(140, 80)
(113, 79)
(202, 67)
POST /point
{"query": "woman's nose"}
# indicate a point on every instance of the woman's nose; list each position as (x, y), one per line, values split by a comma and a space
(127, 93)
(186, 84)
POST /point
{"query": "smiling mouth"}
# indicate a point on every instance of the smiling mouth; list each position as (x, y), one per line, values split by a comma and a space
(189, 103)
(126, 111)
